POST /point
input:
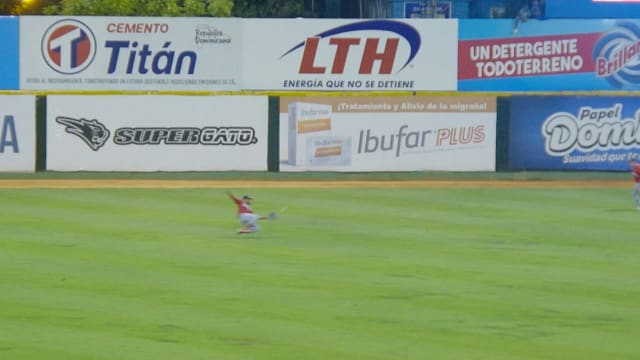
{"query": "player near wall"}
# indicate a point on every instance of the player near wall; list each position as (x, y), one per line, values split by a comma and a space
(635, 172)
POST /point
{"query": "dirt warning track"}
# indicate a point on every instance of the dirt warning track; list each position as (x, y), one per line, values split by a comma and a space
(274, 184)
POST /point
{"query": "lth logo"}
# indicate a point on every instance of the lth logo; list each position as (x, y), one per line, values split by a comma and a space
(371, 49)
(387, 57)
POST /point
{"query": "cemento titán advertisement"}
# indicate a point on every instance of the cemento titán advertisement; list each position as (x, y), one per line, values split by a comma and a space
(129, 53)
(387, 133)
(156, 133)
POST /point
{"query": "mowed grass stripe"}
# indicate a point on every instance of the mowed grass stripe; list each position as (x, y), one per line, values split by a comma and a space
(345, 273)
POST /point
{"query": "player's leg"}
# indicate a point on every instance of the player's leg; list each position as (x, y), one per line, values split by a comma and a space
(250, 223)
(636, 195)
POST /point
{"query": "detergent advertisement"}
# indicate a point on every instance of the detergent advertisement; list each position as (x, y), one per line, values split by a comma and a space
(549, 55)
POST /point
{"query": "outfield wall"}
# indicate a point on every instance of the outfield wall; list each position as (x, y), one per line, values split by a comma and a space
(321, 133)
(208, 94)
(253, 133)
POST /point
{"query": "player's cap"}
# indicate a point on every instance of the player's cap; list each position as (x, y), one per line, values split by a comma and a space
(247, 197)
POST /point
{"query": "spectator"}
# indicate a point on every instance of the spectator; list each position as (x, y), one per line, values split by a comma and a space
(536, 9)
(523, 15)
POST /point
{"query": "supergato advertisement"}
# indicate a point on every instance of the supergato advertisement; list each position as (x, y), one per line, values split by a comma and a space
(371, 55)
(129, 53)
(549, 55)
(156, 133)
(578, 133)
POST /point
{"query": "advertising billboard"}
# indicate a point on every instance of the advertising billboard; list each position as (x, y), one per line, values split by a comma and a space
(17, 133)
(9, 61)
(573, 132)
(129, 53)
(333, 54)
(156, 133)
(549, 55)
(387, 133)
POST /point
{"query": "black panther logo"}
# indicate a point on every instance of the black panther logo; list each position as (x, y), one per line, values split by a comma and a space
(92, 132)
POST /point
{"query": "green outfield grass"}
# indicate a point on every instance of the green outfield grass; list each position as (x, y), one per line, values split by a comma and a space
(343, 274)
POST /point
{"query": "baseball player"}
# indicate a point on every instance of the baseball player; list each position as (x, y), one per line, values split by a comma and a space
(247, 217)
(635, 172)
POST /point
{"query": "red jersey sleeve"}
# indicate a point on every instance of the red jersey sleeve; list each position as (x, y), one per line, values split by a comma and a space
(635, 171)
(241, 205)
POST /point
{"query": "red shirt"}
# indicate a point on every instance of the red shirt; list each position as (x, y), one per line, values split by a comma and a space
(635, 171)
(243, 207)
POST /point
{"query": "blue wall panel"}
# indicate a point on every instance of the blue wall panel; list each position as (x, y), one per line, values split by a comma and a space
(9, 48)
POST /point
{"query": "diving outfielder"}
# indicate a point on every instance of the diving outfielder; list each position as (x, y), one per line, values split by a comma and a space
(635, 172)
(247, 217)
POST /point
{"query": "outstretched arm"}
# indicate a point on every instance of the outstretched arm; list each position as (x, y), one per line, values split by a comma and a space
(235, 199)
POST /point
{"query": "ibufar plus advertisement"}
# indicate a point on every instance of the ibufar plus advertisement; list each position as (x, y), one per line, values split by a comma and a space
(387, 133)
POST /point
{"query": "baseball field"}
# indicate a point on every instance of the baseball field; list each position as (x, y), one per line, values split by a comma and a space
(378, 268)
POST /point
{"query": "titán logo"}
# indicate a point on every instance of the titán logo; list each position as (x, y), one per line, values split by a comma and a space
(92, 132)
(68, 46)
(367, 47)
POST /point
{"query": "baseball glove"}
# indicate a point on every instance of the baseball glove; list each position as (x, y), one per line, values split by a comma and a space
(273, 216)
